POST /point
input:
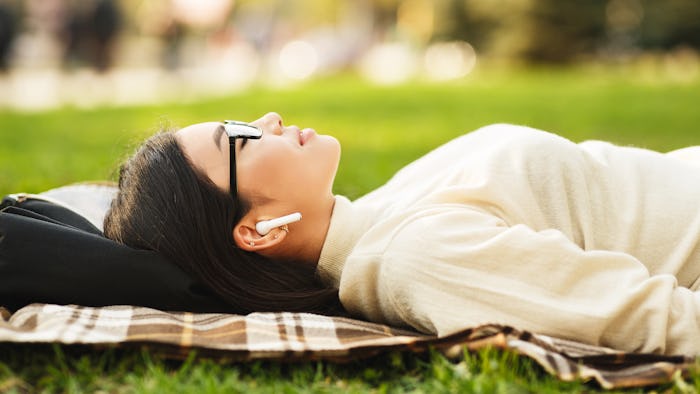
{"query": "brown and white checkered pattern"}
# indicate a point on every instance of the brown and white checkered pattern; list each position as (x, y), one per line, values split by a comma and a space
(303, 336)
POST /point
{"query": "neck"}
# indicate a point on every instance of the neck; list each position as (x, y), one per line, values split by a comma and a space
(349, 223)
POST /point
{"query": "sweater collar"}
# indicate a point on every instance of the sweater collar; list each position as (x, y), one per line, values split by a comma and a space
(346, 227)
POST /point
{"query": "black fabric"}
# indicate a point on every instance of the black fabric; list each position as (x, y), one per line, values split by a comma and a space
(51, 254)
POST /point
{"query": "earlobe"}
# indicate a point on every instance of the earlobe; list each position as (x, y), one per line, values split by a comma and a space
(248, 239)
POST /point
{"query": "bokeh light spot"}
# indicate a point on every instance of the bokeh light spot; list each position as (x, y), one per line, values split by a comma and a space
(298, 59)
(388, 63)
(449, 60)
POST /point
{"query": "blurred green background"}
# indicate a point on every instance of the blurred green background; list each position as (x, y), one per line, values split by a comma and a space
(380, 128)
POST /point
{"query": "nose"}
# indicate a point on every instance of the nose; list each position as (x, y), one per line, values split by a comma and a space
(273, 121)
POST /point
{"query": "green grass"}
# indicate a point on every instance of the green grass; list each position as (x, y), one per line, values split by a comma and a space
(381, 129)
(52, 368)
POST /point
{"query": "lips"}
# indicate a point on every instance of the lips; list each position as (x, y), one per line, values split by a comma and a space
(305, 135)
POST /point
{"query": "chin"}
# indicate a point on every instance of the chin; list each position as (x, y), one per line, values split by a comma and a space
(326, 159)
(328, 139)
(328, 147)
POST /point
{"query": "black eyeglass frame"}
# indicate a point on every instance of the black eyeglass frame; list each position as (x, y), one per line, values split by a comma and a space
(236, 129)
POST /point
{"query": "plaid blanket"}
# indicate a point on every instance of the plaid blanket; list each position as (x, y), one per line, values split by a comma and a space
(300, 336)
(303, 336)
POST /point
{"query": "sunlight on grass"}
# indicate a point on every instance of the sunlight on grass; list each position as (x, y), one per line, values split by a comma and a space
(381, 129)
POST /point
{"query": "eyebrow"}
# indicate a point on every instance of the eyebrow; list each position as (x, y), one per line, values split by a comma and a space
(217, 136)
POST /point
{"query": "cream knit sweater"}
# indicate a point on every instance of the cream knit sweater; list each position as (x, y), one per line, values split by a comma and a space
(591, 242)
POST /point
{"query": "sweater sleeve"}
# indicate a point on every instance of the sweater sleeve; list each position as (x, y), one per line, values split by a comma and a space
(456, 266)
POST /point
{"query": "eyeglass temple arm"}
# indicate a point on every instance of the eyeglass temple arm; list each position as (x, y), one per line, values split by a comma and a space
(233, 184)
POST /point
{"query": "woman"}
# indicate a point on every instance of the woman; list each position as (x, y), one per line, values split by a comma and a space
(591, 242)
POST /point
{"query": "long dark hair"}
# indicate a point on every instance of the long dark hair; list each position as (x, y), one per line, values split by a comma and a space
(164, 204)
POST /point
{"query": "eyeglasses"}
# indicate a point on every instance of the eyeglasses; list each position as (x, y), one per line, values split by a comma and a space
(235, 129)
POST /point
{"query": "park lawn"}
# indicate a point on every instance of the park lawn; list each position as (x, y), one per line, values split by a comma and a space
(381, 129)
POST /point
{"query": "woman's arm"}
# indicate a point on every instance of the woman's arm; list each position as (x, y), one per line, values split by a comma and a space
(453, 266)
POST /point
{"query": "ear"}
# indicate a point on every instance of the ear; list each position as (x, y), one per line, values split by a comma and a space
(247, 238)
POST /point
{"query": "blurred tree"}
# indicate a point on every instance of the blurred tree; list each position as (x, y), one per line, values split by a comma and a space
(460, 22)
(91, 28)
(497, 27)
(384, 16)
(537, 31)
(555, 31)
(670, 23)
(9, 13)
(563, 31)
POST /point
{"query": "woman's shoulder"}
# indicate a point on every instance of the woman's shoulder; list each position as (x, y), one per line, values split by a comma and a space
(512, 141)
(417, 234)
(487, 140)
(505, 132)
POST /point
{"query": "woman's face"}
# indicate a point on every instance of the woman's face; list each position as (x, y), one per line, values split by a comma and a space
(291, 167)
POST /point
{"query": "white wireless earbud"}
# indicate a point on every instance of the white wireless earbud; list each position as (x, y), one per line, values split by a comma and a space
(263, 227)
